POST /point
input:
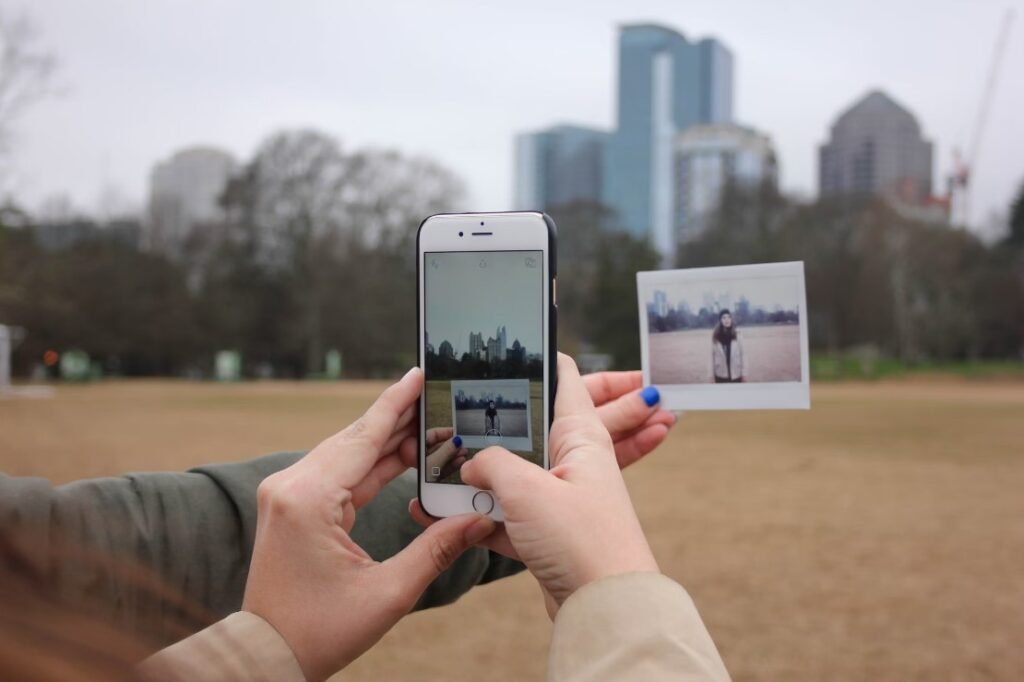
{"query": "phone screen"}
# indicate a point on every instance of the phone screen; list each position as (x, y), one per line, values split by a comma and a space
(484, 357)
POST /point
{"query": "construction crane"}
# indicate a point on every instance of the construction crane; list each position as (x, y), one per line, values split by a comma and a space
(960, 178)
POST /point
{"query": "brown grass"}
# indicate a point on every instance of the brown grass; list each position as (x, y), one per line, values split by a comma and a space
(879, 536)
(684, 357)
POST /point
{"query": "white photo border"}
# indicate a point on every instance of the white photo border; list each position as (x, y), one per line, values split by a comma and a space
(517, 443)
(790, 395)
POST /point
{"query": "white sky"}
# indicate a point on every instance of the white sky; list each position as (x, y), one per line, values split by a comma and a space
(462, 298)
(456, 80)
(762, 292)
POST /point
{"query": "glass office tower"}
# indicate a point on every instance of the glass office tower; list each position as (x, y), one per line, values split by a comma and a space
(666, 84)
(558, 166)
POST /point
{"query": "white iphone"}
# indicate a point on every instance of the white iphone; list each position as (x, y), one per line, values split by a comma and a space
(487, 346)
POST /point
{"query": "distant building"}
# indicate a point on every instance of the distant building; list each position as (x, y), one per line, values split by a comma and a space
(446, 350)
(495, 349)
(666, 84)
(876, 147)
(710, 157)
(660, 307)
(518, 352)
(477, 347)
(184, 191)
(558, 166)
(502, 340)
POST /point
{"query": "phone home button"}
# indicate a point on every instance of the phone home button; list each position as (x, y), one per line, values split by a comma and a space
(483, 502)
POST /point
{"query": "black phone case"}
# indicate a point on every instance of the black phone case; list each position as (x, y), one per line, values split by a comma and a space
(552, 329)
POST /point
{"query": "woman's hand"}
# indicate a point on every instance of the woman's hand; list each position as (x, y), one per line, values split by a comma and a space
(628, 412)
(575, 523)
(445, 454)
(631, 415)
(326, 597)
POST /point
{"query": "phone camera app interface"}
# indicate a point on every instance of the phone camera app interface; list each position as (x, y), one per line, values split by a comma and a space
(484, 352)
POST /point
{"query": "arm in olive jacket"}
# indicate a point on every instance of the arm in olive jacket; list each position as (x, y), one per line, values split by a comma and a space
(194, 532)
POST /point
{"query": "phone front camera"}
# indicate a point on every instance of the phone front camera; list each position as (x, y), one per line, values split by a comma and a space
(460, 234)
(481, 223)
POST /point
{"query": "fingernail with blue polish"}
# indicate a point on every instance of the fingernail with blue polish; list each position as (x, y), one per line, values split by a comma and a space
(457, 441)
(650, 396)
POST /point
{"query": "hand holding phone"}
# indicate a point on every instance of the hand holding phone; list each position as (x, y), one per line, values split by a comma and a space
(574, 524)
(308, 578)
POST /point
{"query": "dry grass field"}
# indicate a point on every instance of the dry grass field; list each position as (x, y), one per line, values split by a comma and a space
(879, 536)
(769, 354)
(473, 422)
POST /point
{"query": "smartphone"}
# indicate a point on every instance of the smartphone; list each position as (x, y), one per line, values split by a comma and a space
(487, 345)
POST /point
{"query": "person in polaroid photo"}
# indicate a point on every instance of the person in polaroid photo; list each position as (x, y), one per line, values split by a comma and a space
(492, 422)
(726, 351)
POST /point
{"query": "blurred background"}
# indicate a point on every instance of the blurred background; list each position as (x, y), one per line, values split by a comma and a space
(199, 195)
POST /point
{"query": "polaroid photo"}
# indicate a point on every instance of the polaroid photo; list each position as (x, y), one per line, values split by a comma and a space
(726, 338)
(493, 412)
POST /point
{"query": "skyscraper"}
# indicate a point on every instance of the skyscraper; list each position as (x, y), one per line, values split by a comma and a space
(476, 344)
(876, 147)
(666, 84)
(660, 303)
(707, 158)
(558, 166)
(183, 191)
(502, 341)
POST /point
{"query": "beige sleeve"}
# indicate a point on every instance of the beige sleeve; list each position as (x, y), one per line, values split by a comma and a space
(637, 626)
(243, 646)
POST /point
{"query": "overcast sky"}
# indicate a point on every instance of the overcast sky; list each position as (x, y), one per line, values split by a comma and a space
(456, 80)
(478, 291)
(762, 292)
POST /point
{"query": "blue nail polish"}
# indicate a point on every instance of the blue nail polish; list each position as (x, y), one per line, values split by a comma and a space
(650, 396)
(457, 441)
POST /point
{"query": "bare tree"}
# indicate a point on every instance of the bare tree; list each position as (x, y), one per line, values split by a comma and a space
(26, 71)
(338, 227)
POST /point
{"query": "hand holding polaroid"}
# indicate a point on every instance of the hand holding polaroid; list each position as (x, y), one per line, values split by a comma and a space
(726, 338)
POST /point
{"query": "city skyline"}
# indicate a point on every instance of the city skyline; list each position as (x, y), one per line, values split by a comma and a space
(667, 84)
(761, 292)
(463, 299)
(176, 93)
(481, 345)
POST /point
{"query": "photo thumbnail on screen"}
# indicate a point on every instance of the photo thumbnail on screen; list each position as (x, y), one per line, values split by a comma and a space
(484, 357)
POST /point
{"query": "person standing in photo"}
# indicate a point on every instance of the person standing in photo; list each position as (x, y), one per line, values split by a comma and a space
(491, 421)
(726, 351)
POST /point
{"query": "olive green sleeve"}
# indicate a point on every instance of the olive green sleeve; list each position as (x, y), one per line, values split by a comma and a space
(194, 532)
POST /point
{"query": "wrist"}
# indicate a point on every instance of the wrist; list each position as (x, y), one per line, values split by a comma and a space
(643, 563)
(638, 559)
(312, 666)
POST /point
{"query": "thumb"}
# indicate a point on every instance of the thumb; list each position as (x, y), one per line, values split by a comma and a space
(503, 472)
(435, 549)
